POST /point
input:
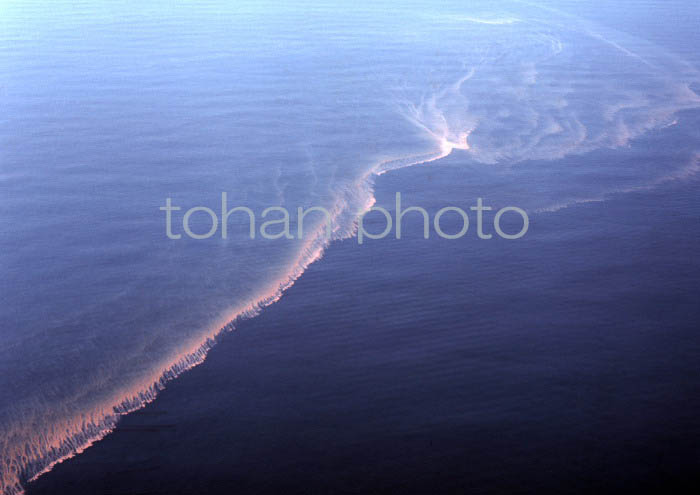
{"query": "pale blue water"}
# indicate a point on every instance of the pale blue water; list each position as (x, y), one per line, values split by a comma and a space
(110, 107)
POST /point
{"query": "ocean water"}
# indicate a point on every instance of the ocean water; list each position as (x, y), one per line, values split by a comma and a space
(563, 363)
(109, 108)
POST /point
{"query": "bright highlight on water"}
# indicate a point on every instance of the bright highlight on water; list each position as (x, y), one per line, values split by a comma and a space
(108, 109)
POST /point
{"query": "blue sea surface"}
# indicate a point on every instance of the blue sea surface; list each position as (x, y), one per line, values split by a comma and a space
(386, 363)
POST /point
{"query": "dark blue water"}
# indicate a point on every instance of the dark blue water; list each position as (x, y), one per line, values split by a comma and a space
(564, 361)
(448, 367)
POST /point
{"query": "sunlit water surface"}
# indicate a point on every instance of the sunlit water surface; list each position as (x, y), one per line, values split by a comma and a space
(109, 108)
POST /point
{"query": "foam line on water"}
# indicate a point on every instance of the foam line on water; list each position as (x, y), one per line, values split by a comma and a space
(38, 452)
(445, 117)
(688, 171)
